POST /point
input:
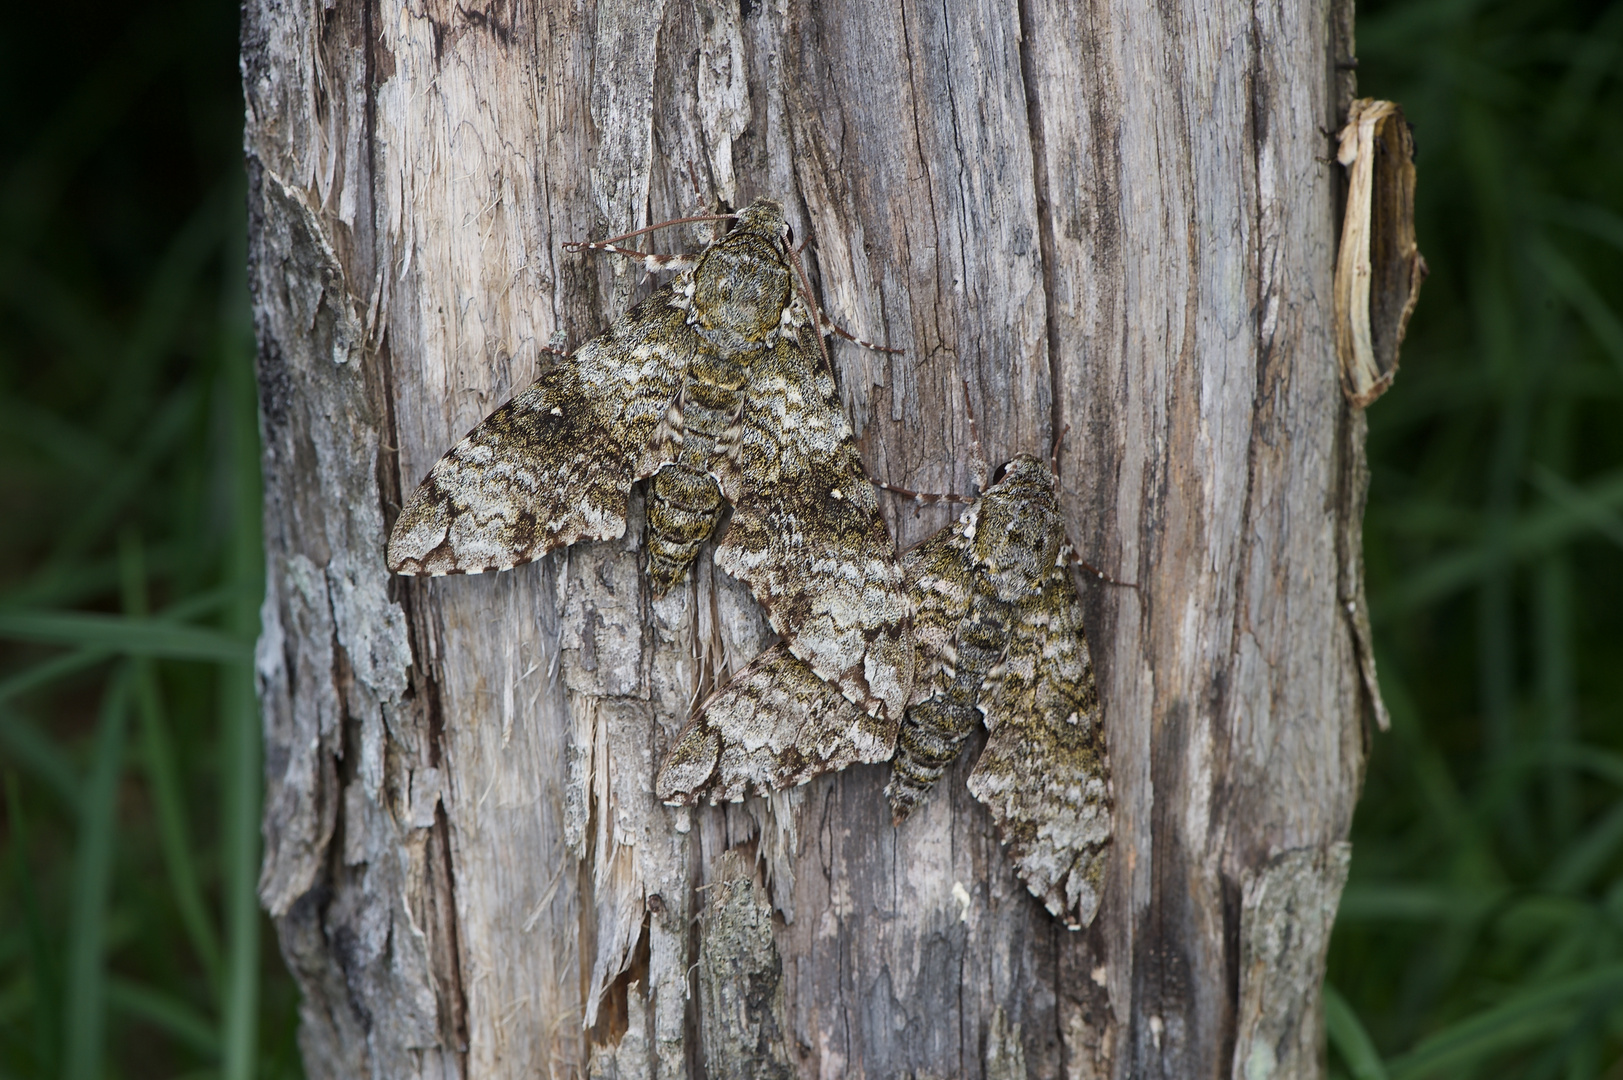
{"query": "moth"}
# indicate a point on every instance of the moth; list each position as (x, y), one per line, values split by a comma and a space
(716, 387)
(1379, 267)
(998, 631)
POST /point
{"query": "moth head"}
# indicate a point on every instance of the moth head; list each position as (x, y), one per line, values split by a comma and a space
(743, 281)
(1020, 530)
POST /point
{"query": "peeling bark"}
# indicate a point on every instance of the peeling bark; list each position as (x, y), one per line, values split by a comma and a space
(1111, 218)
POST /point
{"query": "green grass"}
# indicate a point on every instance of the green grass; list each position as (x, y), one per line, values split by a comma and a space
(131, 567)
(1482, 931)
(1481, 934)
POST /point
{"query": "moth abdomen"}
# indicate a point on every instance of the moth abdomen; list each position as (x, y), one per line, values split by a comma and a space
(687, 500)
(931, 736)
(682, 513)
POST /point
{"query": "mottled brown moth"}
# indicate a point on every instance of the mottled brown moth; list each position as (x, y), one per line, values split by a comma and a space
(998, 629)
(716, 387)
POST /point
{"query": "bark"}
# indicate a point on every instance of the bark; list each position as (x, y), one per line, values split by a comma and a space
(1113, 219)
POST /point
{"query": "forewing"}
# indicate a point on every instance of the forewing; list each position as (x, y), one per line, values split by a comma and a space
(807, 538)
(554, 465)
(775, 725)
(1044, 773)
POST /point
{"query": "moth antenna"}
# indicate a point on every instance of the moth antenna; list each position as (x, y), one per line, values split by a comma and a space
(978, 470)
(651, 263)
(829, 326)
(579, 245)
(811, 302)
(1094, 572)
(1053, 454)
(701, 204)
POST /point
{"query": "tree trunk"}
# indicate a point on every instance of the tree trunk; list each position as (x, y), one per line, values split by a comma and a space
(1115, 219)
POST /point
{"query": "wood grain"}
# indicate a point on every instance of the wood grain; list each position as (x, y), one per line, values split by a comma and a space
(1111, 219)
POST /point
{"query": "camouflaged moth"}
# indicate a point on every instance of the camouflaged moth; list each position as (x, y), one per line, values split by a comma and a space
(715, 387)
(998, 628)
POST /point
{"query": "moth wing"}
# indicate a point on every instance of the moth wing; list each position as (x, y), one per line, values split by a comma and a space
(1044, 773)
(808, 540)
(776, 724)
(555, 464)
(945, 577)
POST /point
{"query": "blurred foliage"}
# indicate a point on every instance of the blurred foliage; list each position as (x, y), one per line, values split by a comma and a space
(1481, 934)
(1482, 931)
(130, 567)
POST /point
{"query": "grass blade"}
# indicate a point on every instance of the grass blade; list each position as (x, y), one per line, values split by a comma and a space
(1417, 903)
(84, 581)
(1524, 1019)
(23, 744)
(1583, 860)
(85, 1007)
(1575, 289)
(241, 769)
(163, 778)
(1537, 532)
(1349, 1038)
(32, 678)
(117, 633)
(163, 1011)
(46, 978)
(1559, 490)
(1587, 217)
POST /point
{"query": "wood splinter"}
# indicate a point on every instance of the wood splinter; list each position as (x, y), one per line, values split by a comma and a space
(1379, 267)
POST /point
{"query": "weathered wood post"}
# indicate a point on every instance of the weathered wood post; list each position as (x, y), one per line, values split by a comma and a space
(1113, 217)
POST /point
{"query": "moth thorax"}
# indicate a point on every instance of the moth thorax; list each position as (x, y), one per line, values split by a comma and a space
(739, 292)
(1019, 536)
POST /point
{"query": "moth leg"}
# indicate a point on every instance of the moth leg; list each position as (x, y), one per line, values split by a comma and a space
(977, 468)
(824, 324)
(1069, 557)
(1053, 453)
(652, 263)
(921, 499)
(693, 178)
(828, 326)
(557, 345)
(704, 207)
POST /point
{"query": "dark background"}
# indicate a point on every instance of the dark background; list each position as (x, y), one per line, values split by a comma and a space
(1482, 931)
